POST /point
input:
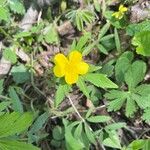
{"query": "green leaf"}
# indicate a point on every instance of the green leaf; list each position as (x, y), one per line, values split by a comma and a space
(93, 68)
(102, 49)
(118, 97)
(122, 65)
(37, 125)
(1, 86)
(20, 74)
(112, 141)
(4, 105)
(58, 133)
(16, 102)
(146, 115)
(7, 144)
(83, 87)
(103, 30)
(115, 126)
(142, 42)
(89, 134)
(79, 21)
(117, 41)
(143, 89)
(82, 41)
(97, 5)
(51, 35)
(100, 80)
(135, 28)
(13, 123)
(107, 37)
(130, 107)
(137, 145)
(17, 6)
(2, 2)
(78, 131)
(71, 142)
(135, 74)
(121, 68)
(61, 92)
(98, 119)
(22, 34)
(4, 14)
(10, 55)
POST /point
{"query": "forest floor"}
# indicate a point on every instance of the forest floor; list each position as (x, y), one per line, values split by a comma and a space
(75, 75)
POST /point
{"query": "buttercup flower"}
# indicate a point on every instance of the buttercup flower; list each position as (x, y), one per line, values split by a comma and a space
(119, 14)
(70, 67)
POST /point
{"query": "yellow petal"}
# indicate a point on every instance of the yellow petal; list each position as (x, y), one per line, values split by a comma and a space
(71, 78)
(82, 68)
(115, 14)
(60, 59)
(59, 71)
(75, 57)
(122, 9)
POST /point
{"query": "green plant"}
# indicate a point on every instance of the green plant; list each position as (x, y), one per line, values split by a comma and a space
(11, 125)
(81, 16)
(137, 95)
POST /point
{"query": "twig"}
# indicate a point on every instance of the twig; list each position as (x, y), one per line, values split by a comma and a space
(72, 104)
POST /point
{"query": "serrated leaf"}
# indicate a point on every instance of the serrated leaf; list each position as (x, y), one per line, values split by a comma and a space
(82, 41)
(122, 65)
(89, 134)
(112, 141)
(142, 42)
(100, 80)
(4, 105)
(4, 14)
(143, 89)
(118, 97)
(98, 119)
(141, 100)
(14, 123)
(137, 145)
(102, 49)
(16, 102)
(51, 35)
(130, 107)
(22, 34)
(135, 74)
(71, 142)
(135, 28)
(17, 6)
(39, 123)
(83, 87)
(78, 130)
(7, 144)
(146, 115)
(93, 68)
(115, 126)
(103, 30)
(61, 92)
(10, 55)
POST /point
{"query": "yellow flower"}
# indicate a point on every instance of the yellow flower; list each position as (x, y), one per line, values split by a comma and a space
(119, 14)
(70, 67)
